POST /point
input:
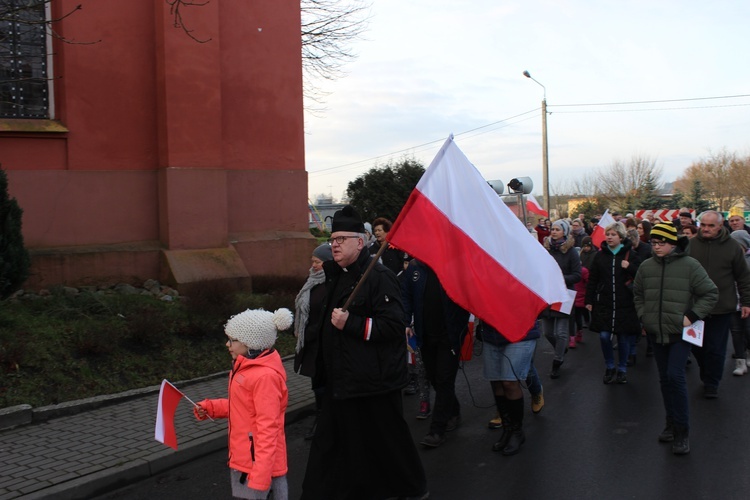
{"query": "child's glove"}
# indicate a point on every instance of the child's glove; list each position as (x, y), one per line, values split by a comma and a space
(203, 410)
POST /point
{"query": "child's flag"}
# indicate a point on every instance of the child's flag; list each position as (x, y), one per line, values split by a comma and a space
(169, 397)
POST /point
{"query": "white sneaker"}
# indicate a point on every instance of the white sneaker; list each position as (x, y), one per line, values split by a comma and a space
(740, 367)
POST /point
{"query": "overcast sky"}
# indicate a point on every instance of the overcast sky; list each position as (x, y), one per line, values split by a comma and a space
(427, 69)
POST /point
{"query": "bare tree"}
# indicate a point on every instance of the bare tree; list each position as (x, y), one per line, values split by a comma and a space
(176, 8)
(328, 29)
(620, 181)
(724, 175)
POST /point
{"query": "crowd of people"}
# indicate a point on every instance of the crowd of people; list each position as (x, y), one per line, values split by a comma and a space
(367, 340)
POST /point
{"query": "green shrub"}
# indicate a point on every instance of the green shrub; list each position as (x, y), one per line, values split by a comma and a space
(67, 347)
(14, 258)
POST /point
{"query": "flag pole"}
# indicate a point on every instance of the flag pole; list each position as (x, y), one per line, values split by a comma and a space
(190, 400)
(373, 261)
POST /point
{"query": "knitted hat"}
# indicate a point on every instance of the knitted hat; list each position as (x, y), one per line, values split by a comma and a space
(347, 219)
(664, 231)
(323, 252)
(368, 227)
(257, 328)
(742, 238)
(586, 241)
(562, 225)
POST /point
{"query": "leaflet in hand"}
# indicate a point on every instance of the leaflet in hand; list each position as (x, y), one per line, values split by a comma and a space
(694, 333)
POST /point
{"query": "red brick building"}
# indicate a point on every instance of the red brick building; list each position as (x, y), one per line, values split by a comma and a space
(159, 156)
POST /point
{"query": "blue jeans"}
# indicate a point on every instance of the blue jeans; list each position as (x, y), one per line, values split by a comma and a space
(670, 361)
(557, 331)
(623, 348)
(533, 382)
(712, 355)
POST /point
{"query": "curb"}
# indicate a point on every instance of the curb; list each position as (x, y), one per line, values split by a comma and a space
(14, 416)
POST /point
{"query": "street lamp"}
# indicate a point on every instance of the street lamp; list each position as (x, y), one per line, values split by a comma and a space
(545, 156)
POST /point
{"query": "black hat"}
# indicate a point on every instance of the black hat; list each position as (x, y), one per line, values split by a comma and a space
(347, 219)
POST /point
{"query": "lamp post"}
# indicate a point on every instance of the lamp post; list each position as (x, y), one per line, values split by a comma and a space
(545, 156)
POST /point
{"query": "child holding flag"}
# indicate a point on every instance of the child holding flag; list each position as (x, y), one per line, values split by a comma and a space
(256, 405)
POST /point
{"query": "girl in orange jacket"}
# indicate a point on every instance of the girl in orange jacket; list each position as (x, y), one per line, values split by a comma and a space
(256, 405)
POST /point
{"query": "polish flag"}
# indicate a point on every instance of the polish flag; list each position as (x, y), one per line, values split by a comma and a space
(597, 235)
(169, 397)
(533, 206)
(455, 223)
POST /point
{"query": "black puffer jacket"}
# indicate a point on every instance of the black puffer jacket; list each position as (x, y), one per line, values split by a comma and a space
(368, 356)
(609, 293)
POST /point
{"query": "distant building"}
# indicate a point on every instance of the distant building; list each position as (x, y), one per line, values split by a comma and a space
(321, 213)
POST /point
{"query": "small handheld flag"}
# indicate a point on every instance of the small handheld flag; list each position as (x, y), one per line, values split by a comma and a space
(169, 398)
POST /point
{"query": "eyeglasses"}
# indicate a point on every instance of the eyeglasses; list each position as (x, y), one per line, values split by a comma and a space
(658, 243)
(340, 239)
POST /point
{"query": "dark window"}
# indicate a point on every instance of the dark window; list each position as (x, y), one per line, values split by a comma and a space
(24, 76)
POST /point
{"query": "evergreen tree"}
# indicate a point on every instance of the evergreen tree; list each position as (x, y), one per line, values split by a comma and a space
(697, 198)
(383, 191)
(678, 199)
(648, 194)
(14, 258)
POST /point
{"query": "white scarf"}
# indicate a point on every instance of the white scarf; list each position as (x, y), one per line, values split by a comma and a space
(302, 305)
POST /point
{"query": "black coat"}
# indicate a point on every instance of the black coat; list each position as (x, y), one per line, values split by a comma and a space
(569, 261)
(609, 291)
(368, 356)
(413, 295)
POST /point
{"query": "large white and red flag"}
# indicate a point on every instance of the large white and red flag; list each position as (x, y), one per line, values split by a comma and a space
(597, 235)
(455, 223)
(169, 397)
(533, 206)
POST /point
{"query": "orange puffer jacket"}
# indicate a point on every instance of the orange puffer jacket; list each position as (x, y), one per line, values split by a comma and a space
(255, 408)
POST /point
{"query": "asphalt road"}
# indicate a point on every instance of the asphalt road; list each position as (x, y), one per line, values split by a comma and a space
(591, 441)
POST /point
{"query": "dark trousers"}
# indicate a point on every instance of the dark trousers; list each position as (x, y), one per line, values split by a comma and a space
(441, 366)
(582, 316)
(712, 355)
(671, 360)
(740, 329)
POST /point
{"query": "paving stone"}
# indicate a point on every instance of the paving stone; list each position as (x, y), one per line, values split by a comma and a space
(108, 443)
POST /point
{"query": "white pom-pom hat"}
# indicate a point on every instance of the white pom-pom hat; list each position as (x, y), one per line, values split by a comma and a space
(257, 328)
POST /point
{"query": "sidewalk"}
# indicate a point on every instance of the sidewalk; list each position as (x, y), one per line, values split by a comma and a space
(81, 455)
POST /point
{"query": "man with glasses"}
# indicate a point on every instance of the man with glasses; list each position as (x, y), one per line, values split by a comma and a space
(724, 261)
(362, 446)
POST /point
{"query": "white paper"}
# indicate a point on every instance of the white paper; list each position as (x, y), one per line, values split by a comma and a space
(694, 333)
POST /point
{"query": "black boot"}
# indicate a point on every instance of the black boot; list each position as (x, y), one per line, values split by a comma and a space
(667, 435)
(681, 444)
(501, 443)
(555, 373)
(502, 409)
(517, 438)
